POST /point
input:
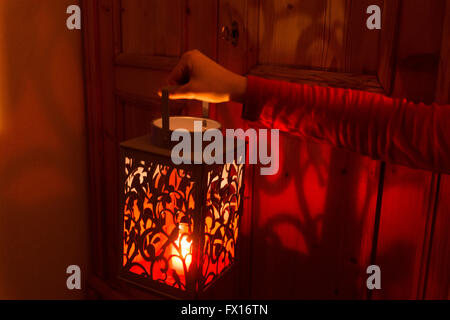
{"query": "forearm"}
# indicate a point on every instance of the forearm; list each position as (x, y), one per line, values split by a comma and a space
(371, 124)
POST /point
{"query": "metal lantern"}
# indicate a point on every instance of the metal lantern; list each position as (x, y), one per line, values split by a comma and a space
(179, 223)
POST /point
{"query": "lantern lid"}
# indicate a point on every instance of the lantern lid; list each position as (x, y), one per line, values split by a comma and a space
(144, 144)
(186, 123)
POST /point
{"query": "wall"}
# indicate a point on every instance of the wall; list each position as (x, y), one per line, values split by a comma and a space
(43, 179)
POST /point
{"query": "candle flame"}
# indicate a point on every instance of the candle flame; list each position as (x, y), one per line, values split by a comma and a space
(185, 247)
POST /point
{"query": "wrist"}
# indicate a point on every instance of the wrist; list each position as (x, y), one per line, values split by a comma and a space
(239, 89)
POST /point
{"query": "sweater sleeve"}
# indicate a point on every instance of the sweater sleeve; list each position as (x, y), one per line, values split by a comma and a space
(393, 130)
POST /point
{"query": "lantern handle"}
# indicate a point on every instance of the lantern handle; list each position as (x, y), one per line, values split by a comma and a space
(165, 113)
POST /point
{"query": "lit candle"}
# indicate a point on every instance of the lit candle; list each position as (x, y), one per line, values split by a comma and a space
(184, 248)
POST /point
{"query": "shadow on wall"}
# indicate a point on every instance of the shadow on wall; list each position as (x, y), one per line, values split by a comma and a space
(313, 227)
(312, 231)
(43, 197)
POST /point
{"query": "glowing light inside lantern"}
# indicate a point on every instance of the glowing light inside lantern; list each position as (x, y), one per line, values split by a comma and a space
(182, 251)
(169, 211)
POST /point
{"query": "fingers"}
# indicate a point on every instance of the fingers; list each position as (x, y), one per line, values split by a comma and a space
(181, 92)
(179, 77)
(178, 92)
(181, 74)
(186, 80)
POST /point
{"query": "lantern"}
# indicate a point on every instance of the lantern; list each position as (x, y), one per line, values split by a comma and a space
(179, 223)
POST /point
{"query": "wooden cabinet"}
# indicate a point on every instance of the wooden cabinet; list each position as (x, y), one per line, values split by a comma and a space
(311, 230)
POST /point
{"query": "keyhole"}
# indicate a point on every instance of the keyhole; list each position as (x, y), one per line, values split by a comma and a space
(232, 34)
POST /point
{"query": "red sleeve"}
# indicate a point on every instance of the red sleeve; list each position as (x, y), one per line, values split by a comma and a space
(394, 130)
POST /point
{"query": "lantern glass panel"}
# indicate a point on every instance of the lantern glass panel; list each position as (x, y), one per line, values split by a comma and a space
(223, 200)
(158, 221)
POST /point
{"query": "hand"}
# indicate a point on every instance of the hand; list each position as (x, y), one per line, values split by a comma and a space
(198, 77)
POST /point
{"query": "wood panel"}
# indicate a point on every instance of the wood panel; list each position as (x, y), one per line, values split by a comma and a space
(152, 27)
(438, 275)
(139, 81)
(311, 238)
(145, 61)
(443, 83)
(301, 245)
(324, 34)
(322, 78)
(93, 124)
(133, 124)
(388, 44)
(202, 25)
(438, 272)
(201, 34)
(110, 161)
(405, 228)
(418, 49)
(409, 195)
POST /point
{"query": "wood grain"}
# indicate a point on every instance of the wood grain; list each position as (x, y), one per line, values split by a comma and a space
(388, 44)
(443, 82)
(418, 50)
(330, 35)
(140, 81)
(309, 238)
(409, 196)
(201, 34)
(110, 164)
(153, 27)
(93, 121)
(438, 275)
(315, 77)
(312, 239)
(202, 25)
(404, 233)
(146, 62)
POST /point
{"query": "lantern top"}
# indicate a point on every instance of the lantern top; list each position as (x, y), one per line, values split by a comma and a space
(144, 144)
(187, 123)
